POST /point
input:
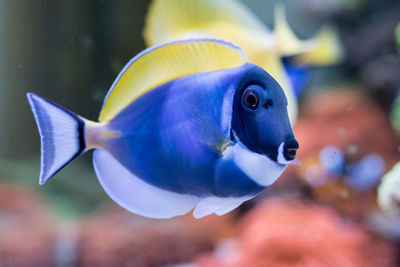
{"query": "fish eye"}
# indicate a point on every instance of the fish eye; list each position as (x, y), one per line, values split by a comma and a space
(251, 99)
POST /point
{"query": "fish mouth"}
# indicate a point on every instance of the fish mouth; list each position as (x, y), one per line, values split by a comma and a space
(287, 153)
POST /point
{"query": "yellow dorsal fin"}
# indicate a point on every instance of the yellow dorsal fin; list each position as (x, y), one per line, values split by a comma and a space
(170, 19)
(165, 62)
(287, 42)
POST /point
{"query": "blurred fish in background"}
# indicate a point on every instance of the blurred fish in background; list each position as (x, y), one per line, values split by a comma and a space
(232, 21)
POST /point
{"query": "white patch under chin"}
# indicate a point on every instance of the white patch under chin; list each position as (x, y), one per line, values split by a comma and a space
(260, 168)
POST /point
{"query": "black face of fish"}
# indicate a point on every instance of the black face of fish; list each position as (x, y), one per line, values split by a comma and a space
(260, 118)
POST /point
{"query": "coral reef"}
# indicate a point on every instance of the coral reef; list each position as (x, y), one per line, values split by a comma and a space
(118, 238)
(289, 233)
(347, 119)
(361, 131)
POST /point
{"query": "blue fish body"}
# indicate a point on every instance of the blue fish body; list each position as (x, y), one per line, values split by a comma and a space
(211, 138)
(185, 163)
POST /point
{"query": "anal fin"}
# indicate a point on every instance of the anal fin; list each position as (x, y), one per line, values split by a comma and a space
(218, 205)
(136, 195)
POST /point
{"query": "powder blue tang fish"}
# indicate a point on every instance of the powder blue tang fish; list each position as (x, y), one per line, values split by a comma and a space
(187, 124)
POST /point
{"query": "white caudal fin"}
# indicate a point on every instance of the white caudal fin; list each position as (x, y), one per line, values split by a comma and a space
(61, 135)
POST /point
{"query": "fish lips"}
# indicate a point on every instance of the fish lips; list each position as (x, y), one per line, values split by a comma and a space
(287, 153)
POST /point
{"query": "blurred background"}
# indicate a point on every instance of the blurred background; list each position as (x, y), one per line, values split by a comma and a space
(322, 213)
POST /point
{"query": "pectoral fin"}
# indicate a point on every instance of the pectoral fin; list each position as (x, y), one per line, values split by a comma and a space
(206, 130)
